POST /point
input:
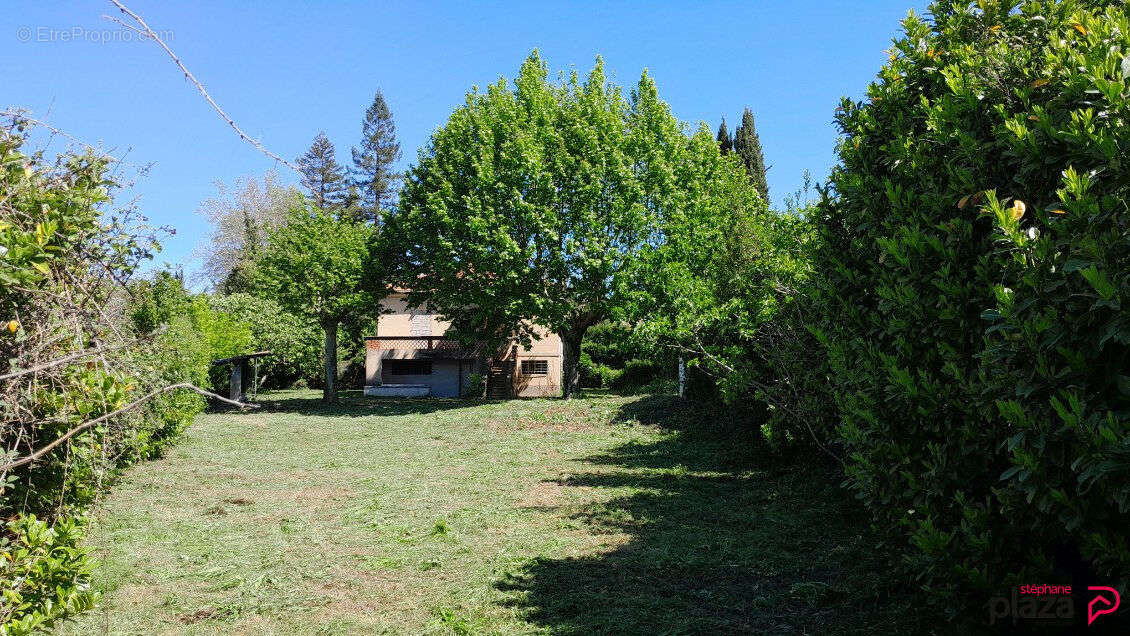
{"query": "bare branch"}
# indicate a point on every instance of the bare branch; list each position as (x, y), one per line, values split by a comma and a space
(72, 357)
(150, 33)
(129, 407)
(123, 23)
(15, 114)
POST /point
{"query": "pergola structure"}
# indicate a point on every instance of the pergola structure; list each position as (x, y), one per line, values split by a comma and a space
(242, 371)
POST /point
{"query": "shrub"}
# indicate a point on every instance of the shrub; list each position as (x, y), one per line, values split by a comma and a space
(476, 386)
(973, 254)
(44, 574)
(178, 354)
(224, 336)
(606, 376)
(585, 370)
(595, 375)
(637, 373)
(295, 342)
(70, 314)
(164, 303)
(611, 343)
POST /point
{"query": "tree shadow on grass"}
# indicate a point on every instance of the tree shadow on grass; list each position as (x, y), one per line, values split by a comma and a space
(353, 403)
(720, 539)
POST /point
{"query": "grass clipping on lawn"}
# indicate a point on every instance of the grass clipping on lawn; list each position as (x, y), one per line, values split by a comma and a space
(602, 514)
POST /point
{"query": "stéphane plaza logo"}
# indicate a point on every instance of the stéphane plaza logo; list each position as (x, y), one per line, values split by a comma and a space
(1052, 604)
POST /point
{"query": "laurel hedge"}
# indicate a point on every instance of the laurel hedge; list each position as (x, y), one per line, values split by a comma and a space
(973, 255)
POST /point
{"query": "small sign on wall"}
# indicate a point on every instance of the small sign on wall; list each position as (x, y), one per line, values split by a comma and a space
(420, 325)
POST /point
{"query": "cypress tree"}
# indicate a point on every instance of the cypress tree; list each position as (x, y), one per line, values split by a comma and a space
(748, 146)
(725, 141)
(322, 175)
(373, 173)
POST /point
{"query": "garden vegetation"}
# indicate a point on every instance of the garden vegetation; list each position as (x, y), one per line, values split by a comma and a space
(971, 256)
(82, 343)
(944, 324)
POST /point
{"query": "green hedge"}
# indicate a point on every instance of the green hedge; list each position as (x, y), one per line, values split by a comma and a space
(974, 253)
(96, 343)
(44, 575)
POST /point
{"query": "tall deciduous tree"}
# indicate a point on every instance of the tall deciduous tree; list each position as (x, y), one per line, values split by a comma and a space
(241, 215)
(748, 146)
(535, 204)
(322, 176)
(313, 266)
(725, 140)
(373, 160)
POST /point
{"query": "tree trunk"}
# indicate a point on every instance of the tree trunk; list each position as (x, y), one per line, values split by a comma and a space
(571, 370)
(329, 394)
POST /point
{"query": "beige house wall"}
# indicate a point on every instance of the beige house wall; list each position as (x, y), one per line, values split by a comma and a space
(549, 349)
(400, 320)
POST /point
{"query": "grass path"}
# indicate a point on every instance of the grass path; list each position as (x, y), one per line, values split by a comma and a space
(601, 515)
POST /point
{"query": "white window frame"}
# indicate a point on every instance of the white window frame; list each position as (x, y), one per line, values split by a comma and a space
(534, 365)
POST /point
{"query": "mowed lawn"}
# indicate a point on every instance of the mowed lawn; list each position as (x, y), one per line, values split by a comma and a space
(600, 515)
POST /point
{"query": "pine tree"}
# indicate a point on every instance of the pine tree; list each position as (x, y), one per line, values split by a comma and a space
(748, 146)
(351, 206)
(373, 173)
(322, 175)
(725, 141)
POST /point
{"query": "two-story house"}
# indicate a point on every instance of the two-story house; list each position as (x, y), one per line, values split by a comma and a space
(410, 356)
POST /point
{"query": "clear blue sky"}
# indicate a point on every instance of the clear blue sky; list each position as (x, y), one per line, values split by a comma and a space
(285, 70)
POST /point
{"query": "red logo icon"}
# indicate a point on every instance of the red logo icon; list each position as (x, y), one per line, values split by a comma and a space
(1105, 603)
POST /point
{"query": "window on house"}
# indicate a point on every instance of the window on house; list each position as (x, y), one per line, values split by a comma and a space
(408, 367)
(535, 367)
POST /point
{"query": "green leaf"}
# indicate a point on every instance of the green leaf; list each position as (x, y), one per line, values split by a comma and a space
(1010, 472)
(1099, 282)
(1074, 265)
(1123, 383)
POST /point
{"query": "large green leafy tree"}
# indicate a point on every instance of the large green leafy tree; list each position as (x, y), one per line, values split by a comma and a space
(974, 255)
(535, 203)
(313, 267)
